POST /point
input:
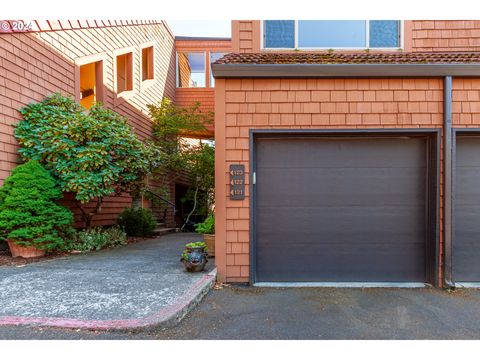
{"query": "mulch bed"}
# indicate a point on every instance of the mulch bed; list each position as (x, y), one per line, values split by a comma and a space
(6, 258)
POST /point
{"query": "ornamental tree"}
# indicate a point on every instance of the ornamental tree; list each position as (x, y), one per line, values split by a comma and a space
(170, 123)
(92, 154)
(29, 214)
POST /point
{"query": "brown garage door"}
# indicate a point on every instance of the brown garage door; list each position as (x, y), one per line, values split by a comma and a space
(466, 242)
(340, 209)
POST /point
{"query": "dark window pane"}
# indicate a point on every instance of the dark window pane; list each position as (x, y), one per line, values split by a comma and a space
(384, 33)
(279, 33)
(331, 33)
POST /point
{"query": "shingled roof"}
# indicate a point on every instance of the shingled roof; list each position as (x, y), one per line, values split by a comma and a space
(351, 58)
(348, 64)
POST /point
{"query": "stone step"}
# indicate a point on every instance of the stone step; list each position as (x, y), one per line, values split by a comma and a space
(163, 230)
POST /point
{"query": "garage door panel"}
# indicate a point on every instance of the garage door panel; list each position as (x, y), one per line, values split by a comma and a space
(467, 152)
(466, 240)
(468, 191)
(347, 153)
(337, 186)
(340, 209)
(467, 266)
(468, 220)
(376, 263)
(343, 224)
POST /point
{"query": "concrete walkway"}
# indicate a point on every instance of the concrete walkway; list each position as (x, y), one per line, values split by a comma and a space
(136, 286)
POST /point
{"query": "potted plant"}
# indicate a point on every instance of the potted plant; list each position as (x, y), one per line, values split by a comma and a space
(207, 228)
(30, 219)
(194, 257)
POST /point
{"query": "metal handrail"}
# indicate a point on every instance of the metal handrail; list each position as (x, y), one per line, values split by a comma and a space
(168, 202)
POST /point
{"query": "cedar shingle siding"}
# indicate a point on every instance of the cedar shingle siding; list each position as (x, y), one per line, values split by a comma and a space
(244, 104)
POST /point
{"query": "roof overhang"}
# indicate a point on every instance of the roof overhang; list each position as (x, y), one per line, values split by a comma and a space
(343, 70)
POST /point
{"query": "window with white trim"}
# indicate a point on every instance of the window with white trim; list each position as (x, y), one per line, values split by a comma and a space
(191, 69)
(331, 34)
(124, 72)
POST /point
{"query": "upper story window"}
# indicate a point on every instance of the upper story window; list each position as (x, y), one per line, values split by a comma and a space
(331, 34)
(191, 69)
(124, 72)
(90, 84)
(214, 56)
(147, 63)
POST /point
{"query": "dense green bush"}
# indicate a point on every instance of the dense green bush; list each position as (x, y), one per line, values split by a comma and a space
(92, 154)
(137, 222)
(206, 227)
(98, 238)
(29, 214)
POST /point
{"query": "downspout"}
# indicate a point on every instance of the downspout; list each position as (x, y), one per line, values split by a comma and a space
(448, 200)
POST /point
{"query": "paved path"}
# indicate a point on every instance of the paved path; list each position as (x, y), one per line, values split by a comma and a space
(137, 285)
(253, 313)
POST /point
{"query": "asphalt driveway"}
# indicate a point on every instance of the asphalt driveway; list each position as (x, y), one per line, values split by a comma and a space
(309, 313)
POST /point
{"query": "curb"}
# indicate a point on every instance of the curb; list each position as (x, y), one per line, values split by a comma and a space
(167, 317)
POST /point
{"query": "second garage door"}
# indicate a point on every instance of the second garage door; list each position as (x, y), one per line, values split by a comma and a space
(466, 242)
(340, 209)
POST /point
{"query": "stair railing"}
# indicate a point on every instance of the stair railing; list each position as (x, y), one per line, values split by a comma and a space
(168, 202)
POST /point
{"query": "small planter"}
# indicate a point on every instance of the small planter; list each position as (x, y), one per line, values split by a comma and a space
(209, 240)
(24, 251)
(194, 258)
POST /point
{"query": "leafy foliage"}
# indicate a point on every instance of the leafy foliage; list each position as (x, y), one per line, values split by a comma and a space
(197, 244)
(98, 238)
(137, 222)
(92, 154)
(206, 227)
(170, 123)
(29, 214)
(201, 167)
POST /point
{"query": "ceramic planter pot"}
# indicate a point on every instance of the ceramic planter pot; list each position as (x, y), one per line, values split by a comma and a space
(24, 251)
(195, 259)
(209, 240)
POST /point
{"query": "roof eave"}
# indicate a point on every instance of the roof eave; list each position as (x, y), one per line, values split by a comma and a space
(343, 70)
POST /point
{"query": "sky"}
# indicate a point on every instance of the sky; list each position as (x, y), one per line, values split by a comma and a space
(213, 28)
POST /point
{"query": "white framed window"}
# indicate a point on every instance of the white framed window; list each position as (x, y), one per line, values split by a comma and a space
(332, 34)
(191, 69)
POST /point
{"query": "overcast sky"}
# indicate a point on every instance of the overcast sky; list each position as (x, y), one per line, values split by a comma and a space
(215, 28)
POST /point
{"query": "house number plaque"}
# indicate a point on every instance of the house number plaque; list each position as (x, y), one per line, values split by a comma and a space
(237, 182)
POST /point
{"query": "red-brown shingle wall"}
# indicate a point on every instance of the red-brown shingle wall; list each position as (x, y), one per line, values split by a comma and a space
(302, 104)
(35, 64)
(246, 35)
(206, 96)
(29, 70)
(445, 35)
(466, 102)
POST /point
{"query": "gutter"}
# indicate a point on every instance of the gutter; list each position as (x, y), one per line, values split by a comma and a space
(344, 70)
(448, 205)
